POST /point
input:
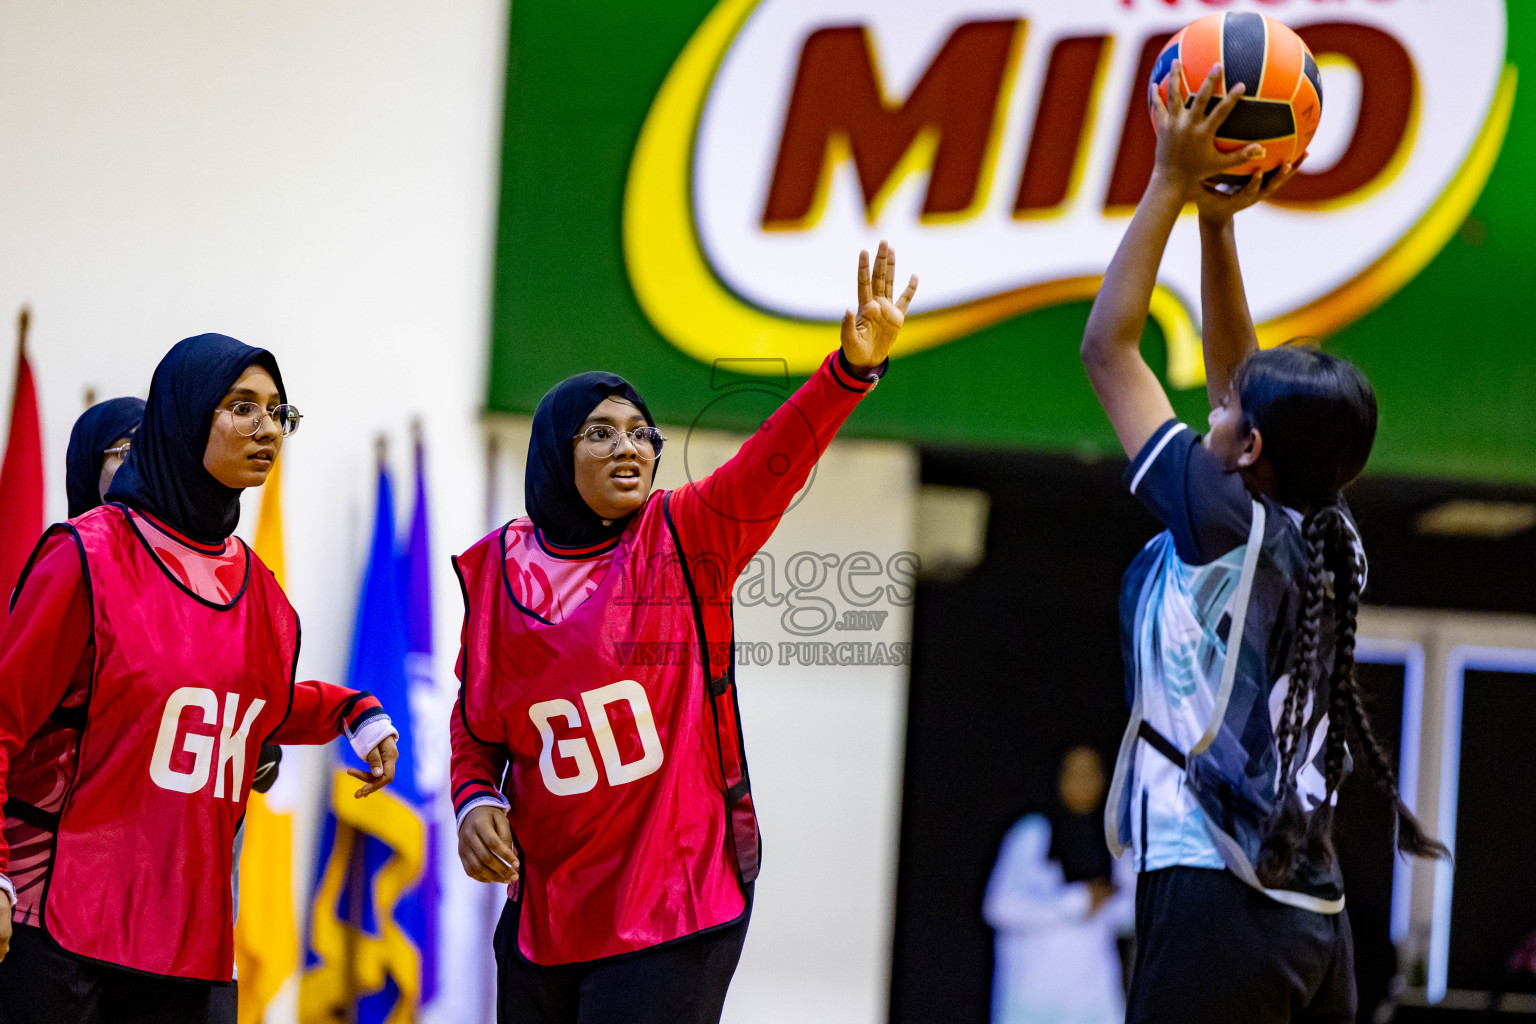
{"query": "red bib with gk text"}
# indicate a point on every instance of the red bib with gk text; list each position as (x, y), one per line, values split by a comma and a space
(183, 693)
(629, 801)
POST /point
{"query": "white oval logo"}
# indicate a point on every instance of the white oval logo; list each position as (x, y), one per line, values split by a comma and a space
(1002, 145)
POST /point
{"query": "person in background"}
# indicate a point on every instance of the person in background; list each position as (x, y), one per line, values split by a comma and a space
(1059, 903)
(98, 444)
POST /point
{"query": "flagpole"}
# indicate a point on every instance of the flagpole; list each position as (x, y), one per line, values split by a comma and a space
(492, 476)
(357, 867)
(357, 882)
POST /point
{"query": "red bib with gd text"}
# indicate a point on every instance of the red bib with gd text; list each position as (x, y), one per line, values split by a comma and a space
(629, 800)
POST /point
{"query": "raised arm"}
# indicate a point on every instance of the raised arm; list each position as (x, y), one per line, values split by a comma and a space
(724, 518)
(1130, 392)
(1227, 334)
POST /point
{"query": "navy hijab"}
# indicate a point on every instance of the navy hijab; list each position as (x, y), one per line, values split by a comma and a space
(96, 428)
(164, 474)
(549, 488)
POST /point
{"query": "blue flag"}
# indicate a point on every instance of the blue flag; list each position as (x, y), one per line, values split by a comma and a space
(427, 766)
(368, 923)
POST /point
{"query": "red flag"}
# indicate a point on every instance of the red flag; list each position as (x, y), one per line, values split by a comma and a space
(21, 477)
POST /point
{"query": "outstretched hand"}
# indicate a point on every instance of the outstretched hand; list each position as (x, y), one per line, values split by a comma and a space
(381, 767)
(1186, 132)
(870, 331)
(1217, 205)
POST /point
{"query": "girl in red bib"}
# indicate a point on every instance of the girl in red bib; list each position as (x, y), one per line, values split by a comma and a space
(147, 657)
(598, 765)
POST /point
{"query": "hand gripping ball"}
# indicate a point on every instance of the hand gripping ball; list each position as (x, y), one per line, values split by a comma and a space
(1282, 93)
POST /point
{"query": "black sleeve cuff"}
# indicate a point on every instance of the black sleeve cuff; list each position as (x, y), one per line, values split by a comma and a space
(845, 372)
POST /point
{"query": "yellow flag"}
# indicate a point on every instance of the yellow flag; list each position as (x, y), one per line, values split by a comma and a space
(266, 935)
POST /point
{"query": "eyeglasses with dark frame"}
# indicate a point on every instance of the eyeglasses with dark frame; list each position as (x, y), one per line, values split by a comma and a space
(602, 440)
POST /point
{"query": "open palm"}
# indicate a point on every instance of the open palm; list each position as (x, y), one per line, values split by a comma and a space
(871, 329)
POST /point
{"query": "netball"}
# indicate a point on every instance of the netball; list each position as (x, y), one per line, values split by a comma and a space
(1282, 91)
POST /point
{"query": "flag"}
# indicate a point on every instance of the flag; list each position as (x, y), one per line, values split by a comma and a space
(430, 763)
(367, 925)
(266, 935)
(21, 475)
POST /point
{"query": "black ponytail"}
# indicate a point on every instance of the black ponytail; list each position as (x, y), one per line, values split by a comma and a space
(1316, 416)
(1287, 826)
(1348, 706)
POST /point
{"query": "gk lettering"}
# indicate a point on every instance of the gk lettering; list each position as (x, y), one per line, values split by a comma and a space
(234, 730)
(578, 752)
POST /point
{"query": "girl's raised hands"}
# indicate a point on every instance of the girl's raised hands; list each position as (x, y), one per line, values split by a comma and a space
(871, 329)
(1217, 205)
(1186, 132)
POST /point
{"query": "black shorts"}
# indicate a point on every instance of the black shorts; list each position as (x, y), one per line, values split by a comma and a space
(42, 984)
(681, 982)
(1211, 949)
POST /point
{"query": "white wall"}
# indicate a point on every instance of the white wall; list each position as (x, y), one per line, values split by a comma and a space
(320, 178)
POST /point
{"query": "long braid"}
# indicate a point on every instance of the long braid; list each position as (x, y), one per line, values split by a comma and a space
(1330, 545)
(1287, 824)
(1315, 418)
(1411, 837)
(1347, 574)
(1348, 704)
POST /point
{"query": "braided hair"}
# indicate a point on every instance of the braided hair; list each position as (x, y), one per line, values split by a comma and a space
(1316, 416)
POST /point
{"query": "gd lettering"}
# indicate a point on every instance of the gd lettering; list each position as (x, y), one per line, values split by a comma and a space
(1007, 141)
(168, 766)
(578, 751)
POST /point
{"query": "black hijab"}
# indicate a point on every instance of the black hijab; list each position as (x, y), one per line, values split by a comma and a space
(164, 474)
(549, 487)
(96, 428)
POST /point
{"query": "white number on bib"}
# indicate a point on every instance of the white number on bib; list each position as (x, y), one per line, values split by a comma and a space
(578, 750)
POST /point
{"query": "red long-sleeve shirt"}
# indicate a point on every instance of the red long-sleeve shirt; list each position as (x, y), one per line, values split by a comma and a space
(722, 521)
(47, 651)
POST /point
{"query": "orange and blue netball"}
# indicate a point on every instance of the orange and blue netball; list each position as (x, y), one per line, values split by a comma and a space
(1282, 92)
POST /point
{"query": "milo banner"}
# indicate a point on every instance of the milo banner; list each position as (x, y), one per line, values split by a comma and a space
(686, 185)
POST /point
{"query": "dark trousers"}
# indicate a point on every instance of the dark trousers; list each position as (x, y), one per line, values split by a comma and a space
(682, 982)
(1211, 950)
(41, 984)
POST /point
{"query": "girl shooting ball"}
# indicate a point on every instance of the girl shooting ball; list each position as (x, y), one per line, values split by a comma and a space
(1239, 625)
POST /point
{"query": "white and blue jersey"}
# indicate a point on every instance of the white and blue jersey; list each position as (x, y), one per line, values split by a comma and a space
(1198, 768)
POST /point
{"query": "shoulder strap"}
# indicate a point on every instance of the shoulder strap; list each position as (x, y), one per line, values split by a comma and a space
(1160, 743)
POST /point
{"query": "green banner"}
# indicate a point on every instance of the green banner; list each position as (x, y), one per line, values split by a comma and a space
(686, 185)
